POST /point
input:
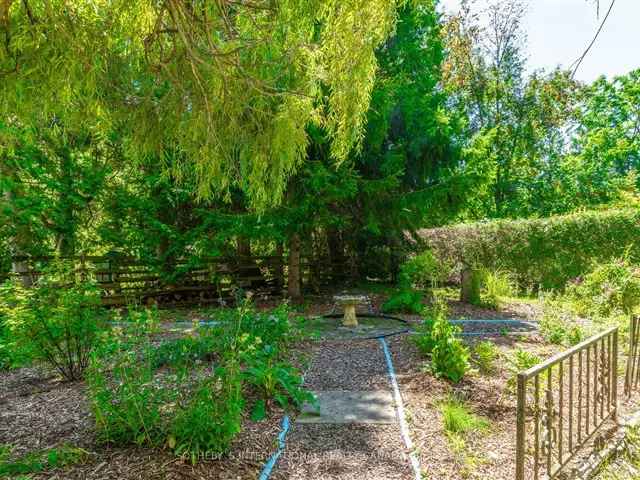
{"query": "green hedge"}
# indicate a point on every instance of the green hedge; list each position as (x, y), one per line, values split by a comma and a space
(541, 252)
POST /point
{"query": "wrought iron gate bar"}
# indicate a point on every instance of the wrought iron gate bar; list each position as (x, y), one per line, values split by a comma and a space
(554, 411)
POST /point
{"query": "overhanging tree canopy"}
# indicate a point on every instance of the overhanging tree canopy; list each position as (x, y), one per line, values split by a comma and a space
(230, 84)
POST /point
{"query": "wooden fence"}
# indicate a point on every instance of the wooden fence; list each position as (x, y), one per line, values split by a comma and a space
(579, 393)
(124, 280)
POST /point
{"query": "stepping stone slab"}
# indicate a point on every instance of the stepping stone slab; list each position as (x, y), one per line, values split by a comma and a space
(338, 406)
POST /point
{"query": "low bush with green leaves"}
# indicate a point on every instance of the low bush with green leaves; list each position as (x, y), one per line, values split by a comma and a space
(423, 271)
(438, 338)
(58, 320)
(418, 275)
(485, 355)
(183, 351)
(559, 326)
(609, 289)
(450, 357)
(520, 361)
(210, 419)
(405, 300)
(39, 461)
(11, 354)
(423, 338)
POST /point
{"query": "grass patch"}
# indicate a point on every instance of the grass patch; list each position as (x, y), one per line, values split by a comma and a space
(459, 420)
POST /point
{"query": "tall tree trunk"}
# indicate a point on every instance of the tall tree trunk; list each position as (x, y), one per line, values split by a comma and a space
(279, 267)
(336, 254)
(470, 285)
(294, 288)
(243, 247)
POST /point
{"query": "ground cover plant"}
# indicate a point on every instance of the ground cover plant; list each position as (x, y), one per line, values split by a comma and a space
(39, 461)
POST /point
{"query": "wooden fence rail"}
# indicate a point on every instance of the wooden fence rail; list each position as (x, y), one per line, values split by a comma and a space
(579, 393)
(206, 281)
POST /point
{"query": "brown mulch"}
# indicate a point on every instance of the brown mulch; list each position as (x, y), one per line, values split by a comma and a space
(40, 412)
(350, 365)
(490, 454)
(37, 411)
(345, 452)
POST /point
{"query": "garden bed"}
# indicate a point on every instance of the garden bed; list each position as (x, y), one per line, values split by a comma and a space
(41, 412)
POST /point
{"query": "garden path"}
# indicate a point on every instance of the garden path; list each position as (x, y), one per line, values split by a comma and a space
(357, 435)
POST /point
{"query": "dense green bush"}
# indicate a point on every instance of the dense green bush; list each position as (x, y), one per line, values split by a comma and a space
(422, 271)
(404, 300)
(125, 396)
(542, 253)
(560, 325)
(423, 338)
(450, 357)
(418, 275)
(211, 418)
(57, 321)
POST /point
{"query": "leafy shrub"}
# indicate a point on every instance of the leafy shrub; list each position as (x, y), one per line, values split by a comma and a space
(609, 289)
(422, 271)
(58, 320)
(125, 399)
(263, 340)
(277, 380)
(450, 357)
(497, 285)
(559, 326)
(404, 301)
(11, 355)
(520, 361)
(211, 419)
(523, 360)
(183, 351)
(437, 337)
(540, 252)
(423, 338)
(190, 405)
(485, 355)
